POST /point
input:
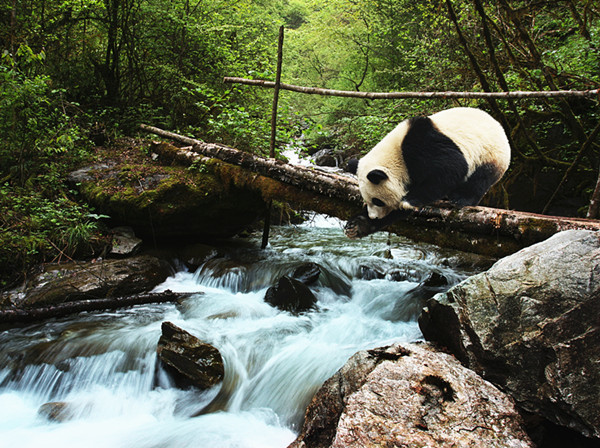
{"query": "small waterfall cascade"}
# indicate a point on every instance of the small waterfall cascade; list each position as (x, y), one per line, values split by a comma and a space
(101, 367)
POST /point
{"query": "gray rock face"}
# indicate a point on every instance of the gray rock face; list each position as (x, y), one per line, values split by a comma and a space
(189, 361)
(124, 242)
(530, 324)
(409, 395)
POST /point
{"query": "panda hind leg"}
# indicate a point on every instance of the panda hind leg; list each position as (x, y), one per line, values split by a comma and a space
(470, 192)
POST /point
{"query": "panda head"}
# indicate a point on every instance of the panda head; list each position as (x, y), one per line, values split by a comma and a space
(382, 174)
(381, 190)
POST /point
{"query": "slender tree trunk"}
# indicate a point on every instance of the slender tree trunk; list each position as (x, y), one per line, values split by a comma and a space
(502, 81)
(480, 75)
(594, 210)
(582, 27)
(276, 93)
(13, 26)
(109, 69)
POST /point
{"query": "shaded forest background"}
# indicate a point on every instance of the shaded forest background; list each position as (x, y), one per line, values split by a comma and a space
(80, 73)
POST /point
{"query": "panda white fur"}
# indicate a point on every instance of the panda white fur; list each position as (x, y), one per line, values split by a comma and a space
(456, 154)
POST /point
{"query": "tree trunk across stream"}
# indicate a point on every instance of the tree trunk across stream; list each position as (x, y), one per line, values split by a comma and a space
(488, 231)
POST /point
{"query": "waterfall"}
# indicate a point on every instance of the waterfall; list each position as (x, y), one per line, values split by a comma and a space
(102, 365)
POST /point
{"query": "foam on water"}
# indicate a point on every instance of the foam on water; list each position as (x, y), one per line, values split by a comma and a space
(103, 365)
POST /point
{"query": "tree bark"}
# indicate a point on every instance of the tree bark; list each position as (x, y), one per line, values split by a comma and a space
(482, 230)
(327, 184)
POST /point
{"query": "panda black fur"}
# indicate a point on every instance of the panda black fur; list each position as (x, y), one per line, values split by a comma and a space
(456, 154)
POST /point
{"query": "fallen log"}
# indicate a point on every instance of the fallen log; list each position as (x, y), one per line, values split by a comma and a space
(26, 315)
(483, 230)
(327, 184)
(403, 95)
(271, 189)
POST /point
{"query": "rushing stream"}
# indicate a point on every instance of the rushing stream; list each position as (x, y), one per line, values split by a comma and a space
(103, 364)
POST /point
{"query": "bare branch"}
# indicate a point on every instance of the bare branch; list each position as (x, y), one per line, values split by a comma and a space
(403, 95)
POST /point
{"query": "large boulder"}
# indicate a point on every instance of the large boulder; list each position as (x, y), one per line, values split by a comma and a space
(189, 361)
(530, 324)
(410, 396)
(161, 200)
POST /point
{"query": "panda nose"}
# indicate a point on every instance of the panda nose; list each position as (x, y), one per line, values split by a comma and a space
(372, 213)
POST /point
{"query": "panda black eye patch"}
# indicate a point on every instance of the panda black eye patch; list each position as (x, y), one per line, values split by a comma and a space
(378, 202)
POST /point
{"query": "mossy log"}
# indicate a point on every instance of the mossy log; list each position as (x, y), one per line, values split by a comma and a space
(325, 184)
(273, 185)
(488, 231)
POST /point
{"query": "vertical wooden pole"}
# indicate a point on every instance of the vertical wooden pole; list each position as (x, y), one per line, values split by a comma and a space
(266, 228)
(276, 93)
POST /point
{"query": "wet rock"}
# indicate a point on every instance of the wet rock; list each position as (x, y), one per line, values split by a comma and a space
(404, 275)
(431, 279)
(409, 396)
(435, 280)
(290, 295)
(56, 411)
(308, 273)
(530, 324)
(409, 306)
(188, 361)
(325, 157)
(125, 243)
(370, 273)
(198, 254)
(67, 282)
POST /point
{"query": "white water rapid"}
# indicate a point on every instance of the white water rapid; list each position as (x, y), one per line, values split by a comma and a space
(103, 365)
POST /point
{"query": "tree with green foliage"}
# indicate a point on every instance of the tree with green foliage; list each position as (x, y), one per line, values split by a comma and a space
(69, 66)
(39, 144)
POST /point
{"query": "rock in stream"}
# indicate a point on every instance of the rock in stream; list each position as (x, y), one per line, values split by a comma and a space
(189, 361)
(410, 396)
(531, 325)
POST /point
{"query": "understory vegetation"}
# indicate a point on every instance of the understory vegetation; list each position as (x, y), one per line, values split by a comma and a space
(77, 75)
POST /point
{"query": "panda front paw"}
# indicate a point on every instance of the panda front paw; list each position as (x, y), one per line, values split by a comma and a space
(358, 227)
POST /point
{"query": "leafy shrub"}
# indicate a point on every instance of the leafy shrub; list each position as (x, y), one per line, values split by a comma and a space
(40, 143)
(35, 229)
(37, 134)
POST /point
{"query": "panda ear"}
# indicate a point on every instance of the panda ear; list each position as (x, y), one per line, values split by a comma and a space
(352, 165)
(376, 176)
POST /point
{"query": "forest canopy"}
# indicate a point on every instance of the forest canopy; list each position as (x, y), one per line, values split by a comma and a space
(76, 73)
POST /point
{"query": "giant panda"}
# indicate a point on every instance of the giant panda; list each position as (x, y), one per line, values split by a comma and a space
(455, 155)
